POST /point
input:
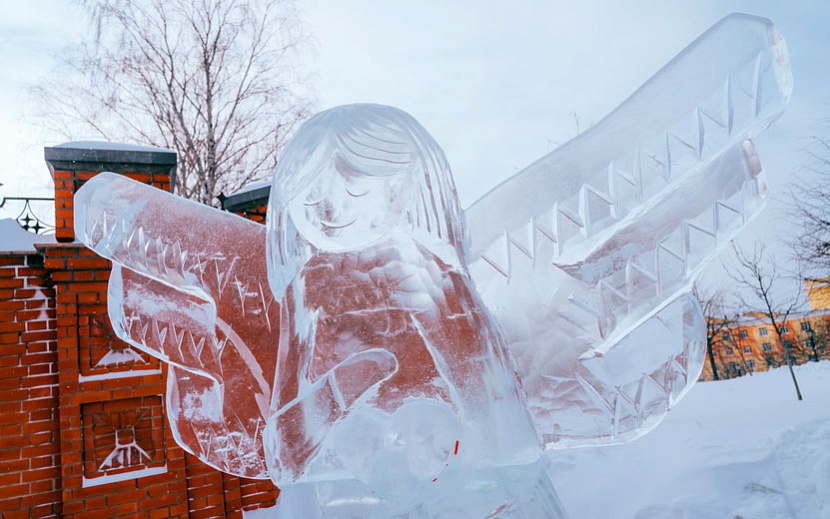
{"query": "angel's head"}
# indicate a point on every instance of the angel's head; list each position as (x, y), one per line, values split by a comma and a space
(351, 177)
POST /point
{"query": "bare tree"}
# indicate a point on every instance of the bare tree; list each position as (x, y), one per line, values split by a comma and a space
(214, 80)
(819, 340)
(725, 343)
(718, 321)
(761, 275)
(813, 338)
(811, 203)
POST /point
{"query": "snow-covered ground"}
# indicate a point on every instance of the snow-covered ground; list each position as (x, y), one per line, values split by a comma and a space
(737, 449)
(742, 448)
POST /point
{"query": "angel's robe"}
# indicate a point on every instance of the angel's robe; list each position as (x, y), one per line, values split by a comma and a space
(455, 399)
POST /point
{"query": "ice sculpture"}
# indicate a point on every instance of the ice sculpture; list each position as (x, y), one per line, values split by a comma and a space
(378, 353)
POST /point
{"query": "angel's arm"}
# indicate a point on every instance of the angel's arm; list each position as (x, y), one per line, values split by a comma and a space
(189, 287)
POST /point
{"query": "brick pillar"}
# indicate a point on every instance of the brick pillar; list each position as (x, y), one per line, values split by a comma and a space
(30, 479)
(74, 163)
(117, 451)
(118, 455)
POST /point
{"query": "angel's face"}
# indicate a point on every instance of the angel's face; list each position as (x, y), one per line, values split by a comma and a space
(344, 209)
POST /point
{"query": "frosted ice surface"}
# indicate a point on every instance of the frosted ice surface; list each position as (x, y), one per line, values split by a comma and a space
(377, 352)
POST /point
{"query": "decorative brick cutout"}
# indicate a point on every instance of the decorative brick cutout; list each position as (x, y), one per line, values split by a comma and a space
(123, 436)
(101, 352)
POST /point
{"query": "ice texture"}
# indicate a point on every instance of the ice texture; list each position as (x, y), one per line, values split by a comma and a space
(577, 253)
(189, 286)
(377, 352)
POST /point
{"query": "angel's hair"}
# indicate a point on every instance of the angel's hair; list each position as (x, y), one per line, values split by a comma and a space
(374, 140)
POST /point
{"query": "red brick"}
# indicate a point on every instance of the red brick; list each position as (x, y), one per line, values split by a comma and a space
(13, 466)
(94, 286)
(12, 327)
(160, 513)
(12, 306)
(87, 263)
(41, 474)
(44, 485)
(40, 380)
(96, 503)
(127, 508)
(55, 263)
(41, 511)
(131, 495)
(45, 335)
(11, 283)
(13, 506)
(93, 297)
(41, 461)
(41, 414)
(36, 325)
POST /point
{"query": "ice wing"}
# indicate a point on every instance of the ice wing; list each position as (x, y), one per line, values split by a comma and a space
(189, 286)
(586, 256)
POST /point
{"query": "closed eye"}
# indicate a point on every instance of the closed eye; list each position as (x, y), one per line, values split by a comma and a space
(357, 195)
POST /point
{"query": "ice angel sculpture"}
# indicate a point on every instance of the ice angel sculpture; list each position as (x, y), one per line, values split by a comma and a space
(377, 352)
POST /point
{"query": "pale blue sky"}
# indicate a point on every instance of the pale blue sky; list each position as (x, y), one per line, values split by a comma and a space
(498, 85)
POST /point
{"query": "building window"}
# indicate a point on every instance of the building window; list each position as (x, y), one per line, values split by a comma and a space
(733, 366)
(805, 326)
(762, 331)
(767, 347)
(743, 334)
(784, 328)
(751, 364)
(724, 336)
(770, 362)
(788, 345)
(729, 351)
(748, 349)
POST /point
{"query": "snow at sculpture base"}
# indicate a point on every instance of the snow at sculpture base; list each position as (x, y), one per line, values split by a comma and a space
(378, 352)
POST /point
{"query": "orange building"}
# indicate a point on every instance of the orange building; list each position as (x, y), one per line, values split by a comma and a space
(818, 292)
(751, 344)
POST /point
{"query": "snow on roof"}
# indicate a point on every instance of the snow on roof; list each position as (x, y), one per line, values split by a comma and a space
(14, 238)
(252, 186)
(110, 146)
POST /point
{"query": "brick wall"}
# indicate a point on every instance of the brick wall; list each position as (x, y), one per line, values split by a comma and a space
(256, 214)
(83, 431)
(29, 447)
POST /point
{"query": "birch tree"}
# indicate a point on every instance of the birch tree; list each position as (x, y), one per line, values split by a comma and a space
(215, 80)
(759, 272)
